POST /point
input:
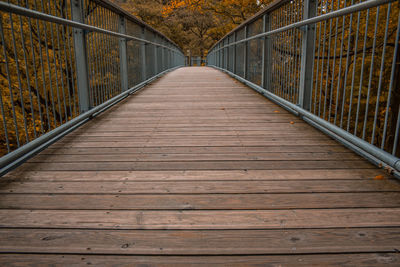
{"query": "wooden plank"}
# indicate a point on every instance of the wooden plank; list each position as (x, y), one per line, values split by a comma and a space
(249, 242)
(203, 175)
(196, 150)
(363, 259)
(198, 219)
(201, 187)
(189, 142)
(197, 165)
(180, 138)
(131, 157)
(199, 202)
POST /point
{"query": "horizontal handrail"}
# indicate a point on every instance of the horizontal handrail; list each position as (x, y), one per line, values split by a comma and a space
(46, 17)
(306, 22)
(325, 63)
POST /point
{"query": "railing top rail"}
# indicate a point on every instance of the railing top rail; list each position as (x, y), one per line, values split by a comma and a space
(342, 12)
(46, 17)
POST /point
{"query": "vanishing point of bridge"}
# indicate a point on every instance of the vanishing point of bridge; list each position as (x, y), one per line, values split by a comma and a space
(197, 167)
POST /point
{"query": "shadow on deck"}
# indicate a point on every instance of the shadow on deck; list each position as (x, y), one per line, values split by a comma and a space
(225, 171)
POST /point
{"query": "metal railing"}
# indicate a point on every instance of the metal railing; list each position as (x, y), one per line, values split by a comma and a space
(64, 61)
(334, 63)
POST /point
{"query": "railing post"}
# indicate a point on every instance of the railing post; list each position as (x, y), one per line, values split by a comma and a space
(81, 57)
(266, 56)
(234, 53)
(307, 56)
(123, 59)
(155, 55)
(162, 58)
(143, 54)
(245, 52)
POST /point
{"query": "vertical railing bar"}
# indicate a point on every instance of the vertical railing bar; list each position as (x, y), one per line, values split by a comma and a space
(340, 67)
(294, 59)
(63, 37)
(278, 56)
(322, 71)
(143, 55)
(114, 57)
(280, 40)
(317, 69)
(346, 69)
(60, 66)
(306, 62)
(10, 89)
(114, 89)
(234, 53)
(114, 20)
(35, 71)
(333, 65)
(297, 50)
(294, 62)
(19, 78)
(362, 73)
(328, 63)
(292, 56)
(93, 39)
(370, 74)
(285, 35)
(354, 72)
(81, 58)
(396, 48)
(55, 67)
(246, 44)
(378, 95)
(155, 51)
(105, 61)
(273, 56)
(50, 72)
(90, 42)
(123, 55)
(92, 92)
(264, 52)
(28, 77)
(42, 65)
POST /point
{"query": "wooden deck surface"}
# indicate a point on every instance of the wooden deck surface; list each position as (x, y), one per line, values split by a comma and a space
(198, 169)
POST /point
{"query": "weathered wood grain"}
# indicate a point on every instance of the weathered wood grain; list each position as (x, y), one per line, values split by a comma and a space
(198, 169)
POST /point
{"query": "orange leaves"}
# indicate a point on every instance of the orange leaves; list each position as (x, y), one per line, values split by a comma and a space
(379, 177)
(176, 4)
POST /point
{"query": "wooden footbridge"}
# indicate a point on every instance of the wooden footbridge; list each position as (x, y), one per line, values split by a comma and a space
(198, 168)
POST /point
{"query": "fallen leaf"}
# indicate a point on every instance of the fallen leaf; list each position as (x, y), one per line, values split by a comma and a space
(379, 177)
(276, 111)
(222, 108)
(292, 122)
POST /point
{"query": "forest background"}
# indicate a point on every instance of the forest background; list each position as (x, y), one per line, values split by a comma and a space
(195, 25)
